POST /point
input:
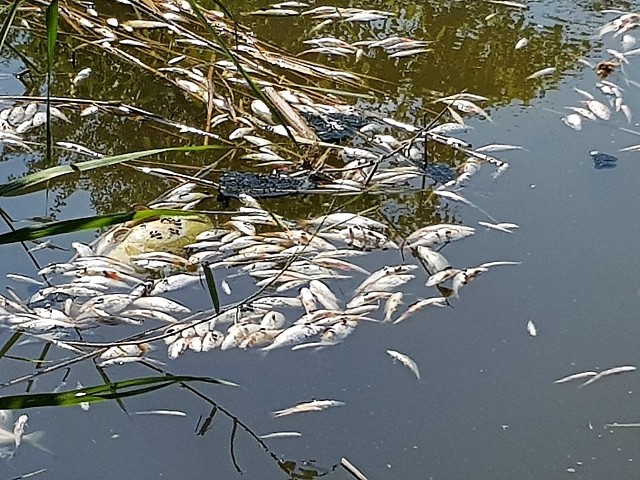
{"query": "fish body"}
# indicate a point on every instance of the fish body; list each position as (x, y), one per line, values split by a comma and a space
(313, 406)
(406, 361)
(391, 305)
(420, 304)
(294, 334)
(609, 371)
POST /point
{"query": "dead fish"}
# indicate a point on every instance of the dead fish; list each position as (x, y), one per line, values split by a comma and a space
(627, 112)
(467, 106)
(501, 227)
(259, 338)
(531, 328)
(523, 42)
(435, 261)
(442, 276)
(280, 435)
(16, 435)
(294, 334)
(497, 147)
(420, 304)
(610, 371)
(573, 120)
(24, 279)
(406, 361)
(340, 219)
(274, 12)
(387, 271)
(499, 263)
(171, 413)
(237, 333)
(542, 73)
(81, 75)
(313, 406)
(174, 282)
(391, 305)
(160, 303)
(323, 294)
(508, 3)
(575, 376)
(409, 53)
(584, 93)
(599, 109)
(367, 16)
(465, 277)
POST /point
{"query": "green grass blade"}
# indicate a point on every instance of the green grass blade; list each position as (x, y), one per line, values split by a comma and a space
(52, 35)
(211, 285)
(107, 381)
(100, 393)
(34, 232)
(28, 182)
(10, 343)
(8, 21)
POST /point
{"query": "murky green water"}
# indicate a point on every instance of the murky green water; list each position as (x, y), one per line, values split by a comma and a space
(486, 406)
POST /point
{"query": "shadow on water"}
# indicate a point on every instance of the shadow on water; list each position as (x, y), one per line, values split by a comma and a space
(486, 406)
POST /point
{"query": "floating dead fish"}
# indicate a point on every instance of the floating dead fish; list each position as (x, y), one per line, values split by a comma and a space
(406, 361)
(501, 227)
(523, 42)
(274, 12)
(16, 436)
(588, 114)
(313, 406)
(599, 109)
(542, 73)
(420, 304)
(81, 75)
(393, 302)
(497, 147)
(575, 376)
(442, 276)
(610, 371)
(280, 435)
(435, 261)
(465, 277)
(409, 53)
(531, 328)
(508, 3)
(573, 120)
(170, 413)
(293, 335)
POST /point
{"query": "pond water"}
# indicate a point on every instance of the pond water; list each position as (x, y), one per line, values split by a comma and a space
(486, 406)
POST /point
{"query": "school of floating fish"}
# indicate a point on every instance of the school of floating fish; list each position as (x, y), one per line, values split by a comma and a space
(295, 268)
(608, 97)
(294, 264)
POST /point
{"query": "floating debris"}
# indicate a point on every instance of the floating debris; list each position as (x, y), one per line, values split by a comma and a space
(603, 161)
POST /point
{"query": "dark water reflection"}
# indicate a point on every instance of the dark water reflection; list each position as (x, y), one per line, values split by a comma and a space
(486, 406)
